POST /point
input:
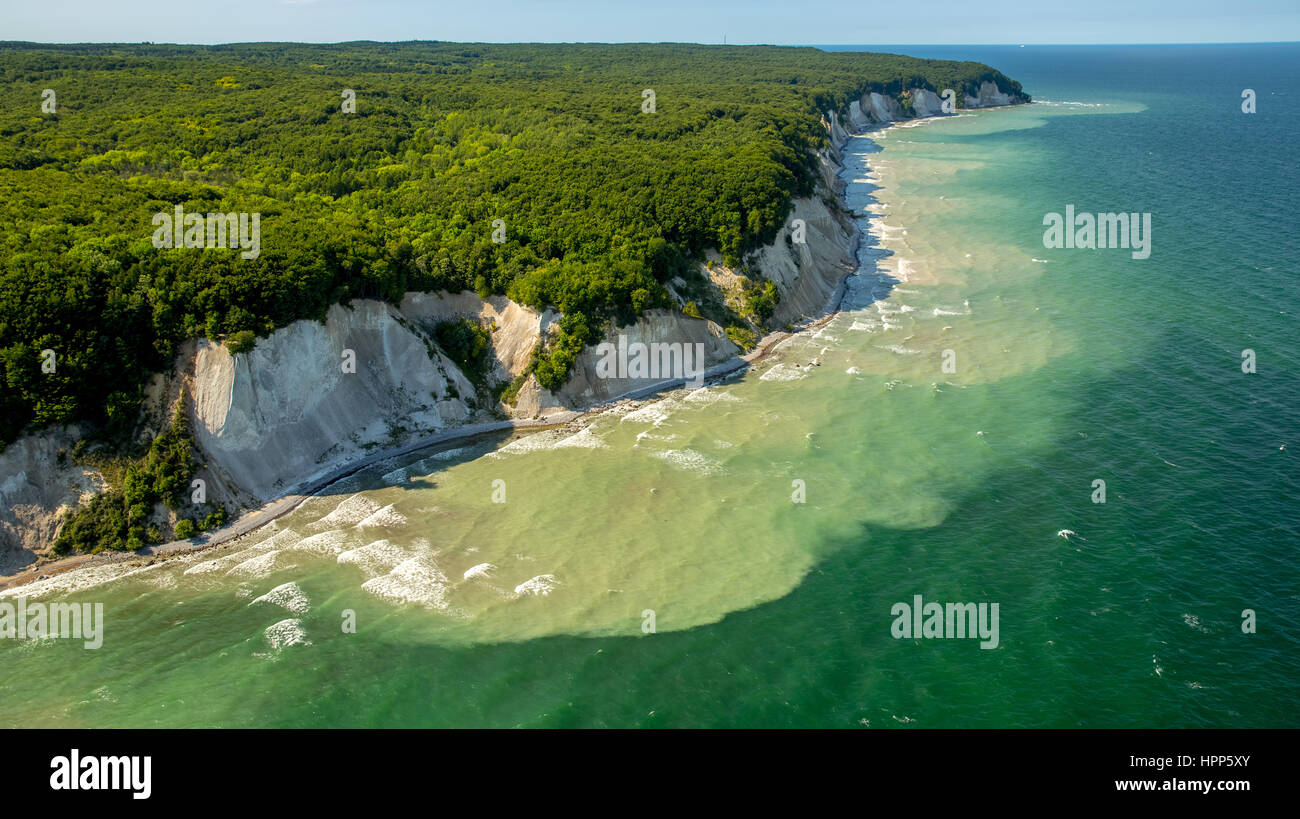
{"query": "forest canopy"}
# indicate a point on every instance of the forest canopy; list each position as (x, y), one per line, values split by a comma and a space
(593, 202)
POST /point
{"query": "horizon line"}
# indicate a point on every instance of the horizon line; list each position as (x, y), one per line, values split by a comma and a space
(637, 42)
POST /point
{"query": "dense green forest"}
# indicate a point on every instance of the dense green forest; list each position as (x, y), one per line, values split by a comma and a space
(599, 202)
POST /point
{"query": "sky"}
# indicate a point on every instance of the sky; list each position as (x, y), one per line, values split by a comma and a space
(787, 22)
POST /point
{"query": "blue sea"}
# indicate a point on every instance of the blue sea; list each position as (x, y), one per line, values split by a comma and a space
(1103, 446)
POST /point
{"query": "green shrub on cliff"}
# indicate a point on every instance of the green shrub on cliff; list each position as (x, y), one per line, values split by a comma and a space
(119, 518)
(241, 342)
(467, 343)
(600, 204)
(761, 299)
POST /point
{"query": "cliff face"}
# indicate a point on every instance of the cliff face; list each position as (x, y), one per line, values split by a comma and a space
(875, 109)
(808, 273)
(313, 397)
(586, 387)
(36, 488)
(990, 95)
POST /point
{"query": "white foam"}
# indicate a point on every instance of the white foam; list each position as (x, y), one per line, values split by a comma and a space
(426, 465)
(646, 434)
(388, 516)
(655, 413)
(160, 580)
(689, 460)
(412, 581)
(323, 543)
(283, 539)
(782, 372)
(482, 570)
(449, 454)
(375, 558)
(286, 633)
(708, 395)
(259, 566)
(287, 596)
(539, 586)
(73, 580)
(549, 439)
(353, 510)
(536, 442)
(584, 439)
(222, 563)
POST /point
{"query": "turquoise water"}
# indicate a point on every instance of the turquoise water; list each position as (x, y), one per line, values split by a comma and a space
(1071, 366)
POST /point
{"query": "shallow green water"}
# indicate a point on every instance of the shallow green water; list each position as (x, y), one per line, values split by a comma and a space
(1071, 366)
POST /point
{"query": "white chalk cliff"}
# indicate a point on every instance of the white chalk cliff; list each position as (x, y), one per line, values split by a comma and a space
(288, 413)
(36, 488)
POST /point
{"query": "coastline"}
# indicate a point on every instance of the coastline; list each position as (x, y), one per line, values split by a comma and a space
(253, 519)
